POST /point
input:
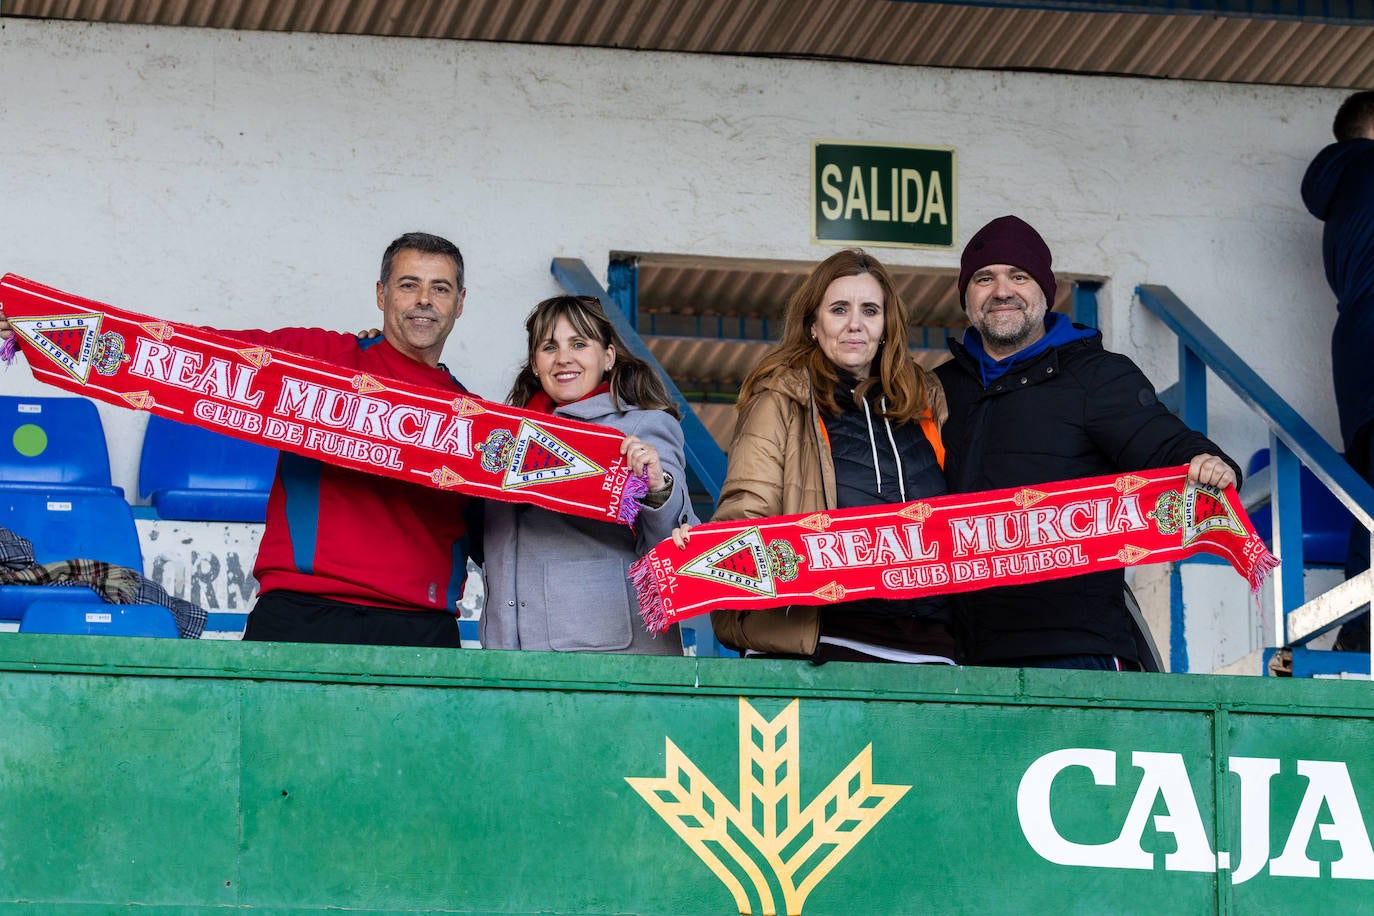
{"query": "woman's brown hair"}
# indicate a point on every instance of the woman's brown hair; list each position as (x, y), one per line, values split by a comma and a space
(892, 372)
(631, 379)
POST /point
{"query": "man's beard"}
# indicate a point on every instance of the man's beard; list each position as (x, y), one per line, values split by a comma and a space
(1022, 335)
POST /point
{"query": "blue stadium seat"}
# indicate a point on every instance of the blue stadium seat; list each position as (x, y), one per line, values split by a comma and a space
(80, 617)
(188, 472)
(62, 524)
(70, 524)
(15, 599)
(53, 442)
(1325, 522)
(218, 624)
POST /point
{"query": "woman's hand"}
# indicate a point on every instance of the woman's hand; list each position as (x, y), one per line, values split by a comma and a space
(681, 535)
(6, 332)
(643, 459)
(368, 334)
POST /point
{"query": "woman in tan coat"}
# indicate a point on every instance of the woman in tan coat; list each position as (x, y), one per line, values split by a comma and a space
(838, 416)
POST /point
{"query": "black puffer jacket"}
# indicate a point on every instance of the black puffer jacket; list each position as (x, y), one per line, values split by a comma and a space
(1077, 410)
(878, 463)
(1339, 190)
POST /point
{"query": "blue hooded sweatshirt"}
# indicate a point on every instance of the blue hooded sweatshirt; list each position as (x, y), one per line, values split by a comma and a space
(1339, 190)
(1059, 329)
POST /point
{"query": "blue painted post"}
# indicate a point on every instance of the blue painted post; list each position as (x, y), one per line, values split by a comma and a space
(1085, 302)
(1286, 504)
(1192, 385)
(622, 278)
(1178, 620)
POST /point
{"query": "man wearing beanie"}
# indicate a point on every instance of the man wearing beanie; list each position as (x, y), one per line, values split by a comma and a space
(1033, 398)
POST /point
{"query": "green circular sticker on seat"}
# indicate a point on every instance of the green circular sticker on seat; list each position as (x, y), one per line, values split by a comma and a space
(30, 440)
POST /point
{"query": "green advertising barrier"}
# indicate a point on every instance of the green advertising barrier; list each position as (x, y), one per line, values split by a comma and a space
(187, 777)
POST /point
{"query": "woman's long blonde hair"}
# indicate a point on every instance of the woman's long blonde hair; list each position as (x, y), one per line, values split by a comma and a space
(892, 372)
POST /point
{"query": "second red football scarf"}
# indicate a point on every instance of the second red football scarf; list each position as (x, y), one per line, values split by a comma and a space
(948, 544)
(307, 406)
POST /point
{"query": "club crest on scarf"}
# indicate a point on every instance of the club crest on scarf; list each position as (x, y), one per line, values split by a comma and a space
(1196, 510)
(109, 353)
(70, 342)
(533, 456)
(746, 563)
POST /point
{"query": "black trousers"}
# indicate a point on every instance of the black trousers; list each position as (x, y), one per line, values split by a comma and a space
(286, 616)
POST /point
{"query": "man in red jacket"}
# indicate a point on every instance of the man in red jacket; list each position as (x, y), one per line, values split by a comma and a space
(350, 557)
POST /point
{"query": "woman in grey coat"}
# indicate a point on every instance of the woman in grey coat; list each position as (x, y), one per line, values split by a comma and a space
(559, 582)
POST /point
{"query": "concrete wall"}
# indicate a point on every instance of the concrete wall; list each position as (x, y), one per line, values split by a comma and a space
(252, 179)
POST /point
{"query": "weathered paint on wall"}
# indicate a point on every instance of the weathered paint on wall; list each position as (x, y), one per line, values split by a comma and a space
(211, 564)
(205, 563)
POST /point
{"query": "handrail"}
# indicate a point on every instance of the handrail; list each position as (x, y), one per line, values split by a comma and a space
(703, 455)
(1292, 439)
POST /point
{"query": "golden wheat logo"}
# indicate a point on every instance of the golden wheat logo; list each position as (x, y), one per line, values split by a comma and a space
(768, 832)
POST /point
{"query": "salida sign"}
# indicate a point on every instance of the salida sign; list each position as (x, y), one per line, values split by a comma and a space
(883, 194)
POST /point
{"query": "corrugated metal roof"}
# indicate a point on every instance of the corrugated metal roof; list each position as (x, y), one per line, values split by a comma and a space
(1250, 49)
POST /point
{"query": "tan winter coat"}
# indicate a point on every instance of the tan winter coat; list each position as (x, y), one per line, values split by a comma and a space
(780, 464)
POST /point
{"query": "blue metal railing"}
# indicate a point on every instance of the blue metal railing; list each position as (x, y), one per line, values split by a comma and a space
(1293, 443)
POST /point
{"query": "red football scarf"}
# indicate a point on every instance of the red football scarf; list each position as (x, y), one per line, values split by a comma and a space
(948, 544)
(307, 406)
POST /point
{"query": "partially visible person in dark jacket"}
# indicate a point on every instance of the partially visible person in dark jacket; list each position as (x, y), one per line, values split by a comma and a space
(1339, 190)
(838, 415)
(559, 582)
(1033, 398)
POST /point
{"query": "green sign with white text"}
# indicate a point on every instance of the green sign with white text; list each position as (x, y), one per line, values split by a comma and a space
(882, 194)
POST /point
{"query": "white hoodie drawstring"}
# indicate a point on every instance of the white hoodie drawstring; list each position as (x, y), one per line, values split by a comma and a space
(873, 448)
(901, 484)
(872, 444)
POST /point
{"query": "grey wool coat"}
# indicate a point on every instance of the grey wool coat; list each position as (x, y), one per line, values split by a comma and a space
(560, 582)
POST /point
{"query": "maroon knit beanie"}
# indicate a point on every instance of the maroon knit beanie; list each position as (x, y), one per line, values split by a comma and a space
(1008, 240)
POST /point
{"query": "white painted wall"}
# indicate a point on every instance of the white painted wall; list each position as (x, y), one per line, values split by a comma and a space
(253, 179)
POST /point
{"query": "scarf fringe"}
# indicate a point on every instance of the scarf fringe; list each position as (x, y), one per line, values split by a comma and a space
(651, 609)
(636, 488)
(1261, 570)
(9, 348)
